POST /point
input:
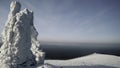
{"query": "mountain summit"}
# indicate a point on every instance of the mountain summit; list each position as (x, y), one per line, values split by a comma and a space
(20, 48)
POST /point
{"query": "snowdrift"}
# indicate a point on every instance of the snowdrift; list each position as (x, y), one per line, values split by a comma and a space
(90, 61)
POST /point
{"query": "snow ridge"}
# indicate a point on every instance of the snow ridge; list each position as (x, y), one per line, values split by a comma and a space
(93, 60)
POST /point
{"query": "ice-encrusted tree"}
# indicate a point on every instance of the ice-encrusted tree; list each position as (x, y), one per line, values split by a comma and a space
(20, 48)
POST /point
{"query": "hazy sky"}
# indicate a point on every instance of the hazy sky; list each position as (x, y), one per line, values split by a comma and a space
(72, 20)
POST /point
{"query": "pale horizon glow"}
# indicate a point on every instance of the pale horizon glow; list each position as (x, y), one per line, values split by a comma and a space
(72, 20)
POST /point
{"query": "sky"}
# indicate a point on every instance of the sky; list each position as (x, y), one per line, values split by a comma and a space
(72, 20)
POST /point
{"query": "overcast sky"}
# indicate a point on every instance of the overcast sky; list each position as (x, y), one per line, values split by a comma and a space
(72, 20)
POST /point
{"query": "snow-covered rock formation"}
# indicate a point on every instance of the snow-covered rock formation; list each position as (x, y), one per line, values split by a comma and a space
(20, 48)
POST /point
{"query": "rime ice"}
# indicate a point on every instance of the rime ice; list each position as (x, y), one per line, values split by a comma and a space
(20, 48)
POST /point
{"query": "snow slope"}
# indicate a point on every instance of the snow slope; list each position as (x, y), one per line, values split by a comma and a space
(90, 61)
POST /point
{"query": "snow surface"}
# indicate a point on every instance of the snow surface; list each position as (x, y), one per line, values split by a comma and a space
(90, 61)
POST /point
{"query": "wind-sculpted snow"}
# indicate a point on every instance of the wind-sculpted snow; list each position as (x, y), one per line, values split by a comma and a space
(20, 48)
(90, 61)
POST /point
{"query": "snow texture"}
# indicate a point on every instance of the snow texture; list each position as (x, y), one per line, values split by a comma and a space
(20, 48)
(90, 61)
